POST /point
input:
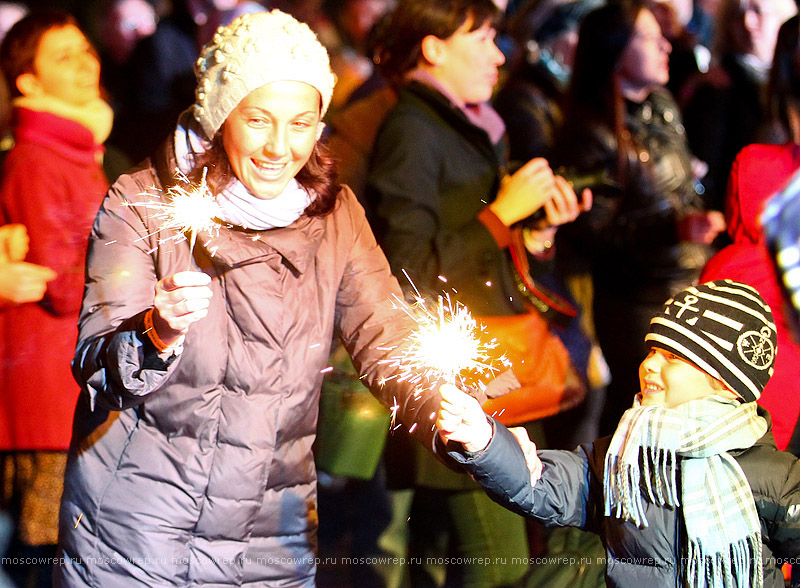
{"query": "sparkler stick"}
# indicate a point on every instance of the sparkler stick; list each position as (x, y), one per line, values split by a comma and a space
(187, 211)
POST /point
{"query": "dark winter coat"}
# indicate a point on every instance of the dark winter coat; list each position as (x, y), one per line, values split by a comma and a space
(198, 470)
(570, 493)
(724, 110)
(630, 236)
(432, 172)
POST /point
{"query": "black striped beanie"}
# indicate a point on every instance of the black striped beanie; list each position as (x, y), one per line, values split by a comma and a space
(724, 328)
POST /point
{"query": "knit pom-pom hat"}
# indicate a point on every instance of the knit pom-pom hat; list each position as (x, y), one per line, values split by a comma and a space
(256, 49)
(724, 328)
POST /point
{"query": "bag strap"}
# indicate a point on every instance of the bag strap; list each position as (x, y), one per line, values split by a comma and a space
(550, 305)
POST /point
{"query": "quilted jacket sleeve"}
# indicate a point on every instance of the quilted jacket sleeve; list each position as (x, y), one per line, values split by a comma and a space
(373, 328)
(115, 363)
(559, 498)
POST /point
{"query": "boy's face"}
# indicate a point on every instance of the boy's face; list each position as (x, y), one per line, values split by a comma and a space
(669, 381)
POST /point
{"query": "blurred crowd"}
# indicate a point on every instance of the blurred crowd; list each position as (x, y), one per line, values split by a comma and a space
(671, 122)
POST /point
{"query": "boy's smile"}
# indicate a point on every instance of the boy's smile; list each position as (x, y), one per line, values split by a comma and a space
(667, 380)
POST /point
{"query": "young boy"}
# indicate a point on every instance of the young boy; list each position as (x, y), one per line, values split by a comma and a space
(690, 490)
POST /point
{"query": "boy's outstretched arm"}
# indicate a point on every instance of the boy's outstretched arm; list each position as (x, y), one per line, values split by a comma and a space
(552, 486)
(461, 419)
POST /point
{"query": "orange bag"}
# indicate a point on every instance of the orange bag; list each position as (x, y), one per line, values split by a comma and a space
(539, 360)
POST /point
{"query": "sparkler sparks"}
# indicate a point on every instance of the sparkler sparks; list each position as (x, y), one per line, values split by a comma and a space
(186, 210)
(447, 345)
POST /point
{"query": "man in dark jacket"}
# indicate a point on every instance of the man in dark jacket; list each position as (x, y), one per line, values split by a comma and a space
(694, 438)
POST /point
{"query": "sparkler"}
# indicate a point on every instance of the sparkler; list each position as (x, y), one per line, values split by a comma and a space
(448, 345)
(186, 210)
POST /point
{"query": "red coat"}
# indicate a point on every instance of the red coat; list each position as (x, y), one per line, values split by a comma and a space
(759, 172)
(52, 183)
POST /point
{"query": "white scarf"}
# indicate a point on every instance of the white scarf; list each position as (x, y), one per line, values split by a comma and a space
(240, 207)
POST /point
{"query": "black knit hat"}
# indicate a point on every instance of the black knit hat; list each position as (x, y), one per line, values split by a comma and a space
(724, 328)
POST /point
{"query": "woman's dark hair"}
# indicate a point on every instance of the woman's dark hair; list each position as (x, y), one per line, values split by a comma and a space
(318, 175)
(783, 94)
(594, 96)
(19, 47)
(399, 40)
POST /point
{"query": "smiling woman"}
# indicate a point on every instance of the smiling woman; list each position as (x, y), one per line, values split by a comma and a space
(267, 147)
(192, 459)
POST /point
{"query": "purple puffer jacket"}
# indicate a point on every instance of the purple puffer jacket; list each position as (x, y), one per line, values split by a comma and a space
(198, 470)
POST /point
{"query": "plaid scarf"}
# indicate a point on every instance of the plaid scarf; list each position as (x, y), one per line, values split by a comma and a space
(724, 539)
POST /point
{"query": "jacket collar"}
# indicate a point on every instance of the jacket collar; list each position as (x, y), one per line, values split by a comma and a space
(453, 115)
(71, 139)
(297, 245)
(234, 247)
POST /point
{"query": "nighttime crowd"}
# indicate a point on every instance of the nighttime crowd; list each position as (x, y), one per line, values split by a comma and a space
(235, 391)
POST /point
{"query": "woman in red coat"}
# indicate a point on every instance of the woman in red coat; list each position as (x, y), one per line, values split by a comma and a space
(758, 172)
(53, 183)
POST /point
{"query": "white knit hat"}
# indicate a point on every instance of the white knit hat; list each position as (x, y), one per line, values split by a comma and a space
(256, 49)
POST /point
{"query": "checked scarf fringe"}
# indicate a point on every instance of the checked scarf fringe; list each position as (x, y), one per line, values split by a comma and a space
(724, 540)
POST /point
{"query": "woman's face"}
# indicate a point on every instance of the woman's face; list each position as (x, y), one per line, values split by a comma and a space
(271, 134)
(756, 30)
(466, 63)
(644, 63)
(66, 67)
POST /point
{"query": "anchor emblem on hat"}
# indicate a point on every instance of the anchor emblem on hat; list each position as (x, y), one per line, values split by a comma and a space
(756, 349)
(687, 305)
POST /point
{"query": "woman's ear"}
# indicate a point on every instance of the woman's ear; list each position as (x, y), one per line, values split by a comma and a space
(431, 49)
(28, 85)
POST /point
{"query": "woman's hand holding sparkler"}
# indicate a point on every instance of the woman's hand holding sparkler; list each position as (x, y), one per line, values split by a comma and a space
(181, 299)
(462, 419)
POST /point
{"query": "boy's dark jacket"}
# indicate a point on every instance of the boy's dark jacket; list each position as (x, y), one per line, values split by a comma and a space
(570, 493)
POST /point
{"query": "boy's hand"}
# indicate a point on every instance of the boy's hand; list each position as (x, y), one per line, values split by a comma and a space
(462, 419)
(529, 449)
(181, 299)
